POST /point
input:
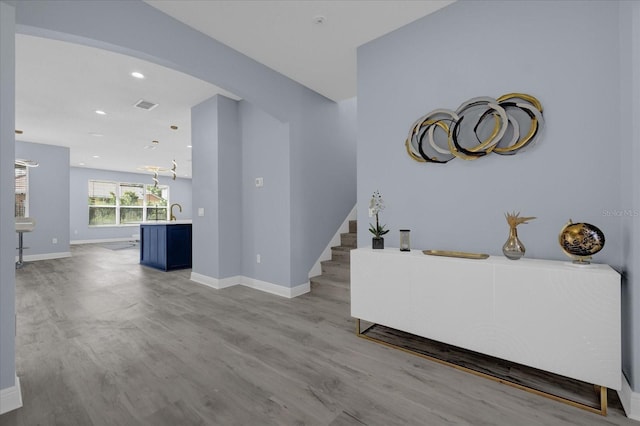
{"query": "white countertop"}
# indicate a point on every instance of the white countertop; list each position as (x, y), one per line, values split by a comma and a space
(167, 222)
(493, 260)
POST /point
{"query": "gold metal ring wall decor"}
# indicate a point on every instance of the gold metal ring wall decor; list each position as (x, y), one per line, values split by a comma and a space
(426, 126)
(478, 127)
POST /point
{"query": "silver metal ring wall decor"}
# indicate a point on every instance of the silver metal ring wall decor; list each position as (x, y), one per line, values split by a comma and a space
(478, 127)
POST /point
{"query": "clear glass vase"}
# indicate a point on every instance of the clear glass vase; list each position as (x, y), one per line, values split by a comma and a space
(405, 244)
(513, 249)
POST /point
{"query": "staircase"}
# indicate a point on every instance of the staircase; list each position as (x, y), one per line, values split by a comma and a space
(337, 271)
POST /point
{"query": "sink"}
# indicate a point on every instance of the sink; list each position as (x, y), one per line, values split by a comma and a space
(25, 224)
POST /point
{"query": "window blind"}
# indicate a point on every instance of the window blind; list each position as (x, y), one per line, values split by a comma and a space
(22, 188)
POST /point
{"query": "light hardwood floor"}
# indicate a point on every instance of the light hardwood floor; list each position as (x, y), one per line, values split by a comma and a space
(105, 341)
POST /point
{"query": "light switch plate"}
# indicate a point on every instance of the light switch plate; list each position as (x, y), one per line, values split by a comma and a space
(200, 211)
(259, 182)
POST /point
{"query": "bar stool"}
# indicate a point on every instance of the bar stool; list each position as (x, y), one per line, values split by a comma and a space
(23, 224)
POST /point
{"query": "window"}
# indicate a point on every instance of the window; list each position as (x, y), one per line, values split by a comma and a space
(102, 203)
(22, 190)
(157, 200)
(131, 202)
(115, 203)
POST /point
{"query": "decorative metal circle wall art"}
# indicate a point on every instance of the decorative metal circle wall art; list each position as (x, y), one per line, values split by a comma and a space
(580, 241)
(478, 127)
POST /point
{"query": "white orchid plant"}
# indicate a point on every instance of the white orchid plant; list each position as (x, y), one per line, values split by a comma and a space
(376, 205)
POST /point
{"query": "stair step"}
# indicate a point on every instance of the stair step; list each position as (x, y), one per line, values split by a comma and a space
(334, 265)
(340, 271)
(342, 280)
(324, 280)
(341, 254)
(349, 239)
(336, 273)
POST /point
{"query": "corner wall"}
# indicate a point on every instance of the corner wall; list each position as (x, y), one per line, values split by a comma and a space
(48, 200)
(230, 190)
(235, 143)
(217, 175)
(8, 383)
(630, 190)
(323, 179)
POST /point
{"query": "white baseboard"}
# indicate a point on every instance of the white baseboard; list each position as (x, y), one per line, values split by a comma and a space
(215, 282)
(11, 398)
(630, 400)
(267, 287)
(278, 290)
(44, 256)
(335, 241)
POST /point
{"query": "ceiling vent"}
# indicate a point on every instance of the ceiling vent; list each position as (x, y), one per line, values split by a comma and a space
(142, 104)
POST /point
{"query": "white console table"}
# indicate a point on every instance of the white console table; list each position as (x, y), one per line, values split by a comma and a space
(551, 315)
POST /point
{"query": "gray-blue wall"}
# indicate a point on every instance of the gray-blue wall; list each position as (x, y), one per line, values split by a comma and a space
(7, 197)
(568, 55)
(204, 139)
(230, 188)
(217, 238)
(179, 192)
(48, 198)
(323, 178)
(260, 218)
(630, 153)
(266, 211)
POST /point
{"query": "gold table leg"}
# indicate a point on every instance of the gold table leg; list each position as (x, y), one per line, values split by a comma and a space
(603, 400)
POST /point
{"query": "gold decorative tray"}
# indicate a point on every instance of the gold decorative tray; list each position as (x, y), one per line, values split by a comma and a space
(456, 254)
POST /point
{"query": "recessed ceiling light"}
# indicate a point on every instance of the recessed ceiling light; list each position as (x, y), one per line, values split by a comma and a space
(19, 132)
(81, 164)
(319, 19)
(100, 112)
(189, 146)
(137, 74)
(98, 135)
(174, 127)
(96, 156)
(155, 142)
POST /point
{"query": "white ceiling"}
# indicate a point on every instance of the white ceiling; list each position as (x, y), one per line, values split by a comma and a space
(283, 35)
(59, 85)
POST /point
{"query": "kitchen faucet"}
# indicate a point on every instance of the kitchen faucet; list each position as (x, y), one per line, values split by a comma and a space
(173, 217)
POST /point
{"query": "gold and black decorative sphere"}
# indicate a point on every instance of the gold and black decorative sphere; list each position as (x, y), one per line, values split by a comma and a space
(580, 241)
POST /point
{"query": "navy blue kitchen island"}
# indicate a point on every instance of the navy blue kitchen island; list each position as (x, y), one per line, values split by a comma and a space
(166, 245)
